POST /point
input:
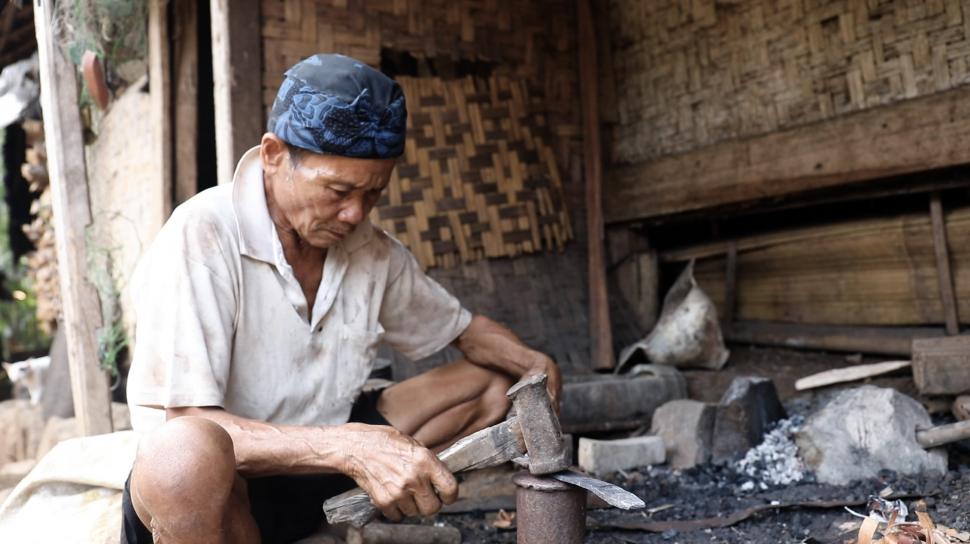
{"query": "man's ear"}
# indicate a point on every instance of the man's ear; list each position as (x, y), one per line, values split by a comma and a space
(273, 152)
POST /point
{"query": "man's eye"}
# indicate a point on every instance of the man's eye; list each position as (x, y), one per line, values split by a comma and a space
(340, 193)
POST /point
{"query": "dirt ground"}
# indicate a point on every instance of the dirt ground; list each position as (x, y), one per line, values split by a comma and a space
(716, 492)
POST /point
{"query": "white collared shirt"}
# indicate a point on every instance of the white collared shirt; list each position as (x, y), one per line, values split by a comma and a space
(222, 321)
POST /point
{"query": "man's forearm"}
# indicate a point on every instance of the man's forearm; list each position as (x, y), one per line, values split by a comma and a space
(265, 449)
(489, 344)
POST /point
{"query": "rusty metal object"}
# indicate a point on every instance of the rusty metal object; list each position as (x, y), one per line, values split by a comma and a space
(548, 510)
(540, 425)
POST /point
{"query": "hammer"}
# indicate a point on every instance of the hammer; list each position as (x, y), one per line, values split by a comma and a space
(533, 430)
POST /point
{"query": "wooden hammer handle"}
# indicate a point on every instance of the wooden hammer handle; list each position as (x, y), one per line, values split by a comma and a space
(943, 434)
(488, 447)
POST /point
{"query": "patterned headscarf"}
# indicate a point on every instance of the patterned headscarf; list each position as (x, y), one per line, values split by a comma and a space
(332, 104)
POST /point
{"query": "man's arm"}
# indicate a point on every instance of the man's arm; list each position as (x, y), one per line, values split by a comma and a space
(400, 475)
(490, 345)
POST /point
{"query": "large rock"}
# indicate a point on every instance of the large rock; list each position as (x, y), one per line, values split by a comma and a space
(686, 427)
(746, 412)
(863, 431)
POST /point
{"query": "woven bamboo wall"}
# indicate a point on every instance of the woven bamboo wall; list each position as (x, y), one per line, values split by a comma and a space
(481, 174)
(690, 74)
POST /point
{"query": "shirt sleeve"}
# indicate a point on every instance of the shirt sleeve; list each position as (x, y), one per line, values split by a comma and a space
(418, 315)
(184, 319)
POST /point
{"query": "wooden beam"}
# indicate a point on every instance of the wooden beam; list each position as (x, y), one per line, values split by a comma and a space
(943, 271)
(159, 74)
(910, 136)
(895, 341)
(236, 69)
(185, 85)
(601, 337)
(72, 216)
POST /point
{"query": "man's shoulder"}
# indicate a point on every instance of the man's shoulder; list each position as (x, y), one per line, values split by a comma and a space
(203, 222)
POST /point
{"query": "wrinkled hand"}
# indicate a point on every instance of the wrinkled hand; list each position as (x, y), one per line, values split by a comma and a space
(402, 477)
(545, 365)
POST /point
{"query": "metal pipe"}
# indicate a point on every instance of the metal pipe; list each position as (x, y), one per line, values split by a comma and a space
(548, 511)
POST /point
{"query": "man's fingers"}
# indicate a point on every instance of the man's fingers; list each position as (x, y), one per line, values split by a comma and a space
(407, 506)
(444, 483)
(427, 501)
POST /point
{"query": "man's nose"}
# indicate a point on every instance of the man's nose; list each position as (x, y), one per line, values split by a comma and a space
(353, 210)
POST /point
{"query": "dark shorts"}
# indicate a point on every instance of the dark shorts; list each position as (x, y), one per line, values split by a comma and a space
(286, 508)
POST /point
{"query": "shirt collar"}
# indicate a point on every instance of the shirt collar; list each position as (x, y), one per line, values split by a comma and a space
(257, 233)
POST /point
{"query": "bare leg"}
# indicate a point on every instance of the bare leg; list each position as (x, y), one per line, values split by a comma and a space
(447, 403)
(185, 489)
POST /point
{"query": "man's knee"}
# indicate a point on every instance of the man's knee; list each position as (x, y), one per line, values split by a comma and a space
(186, 460)
(494, 401)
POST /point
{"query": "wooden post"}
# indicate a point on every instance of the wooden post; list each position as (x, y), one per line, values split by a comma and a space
(236, 49)
(72, 216)
(731, 283)
(159, 74)
(943, 265)
(185, 85)
(601, 337)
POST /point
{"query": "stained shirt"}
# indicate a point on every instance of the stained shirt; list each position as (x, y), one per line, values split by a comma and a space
(222, 321)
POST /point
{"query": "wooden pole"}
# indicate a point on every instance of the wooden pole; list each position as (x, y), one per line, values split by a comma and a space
(72, 216)
(236, 49)
(185, 85)
(601, 337)
(943, 265)
(159, 73)
(731, 283)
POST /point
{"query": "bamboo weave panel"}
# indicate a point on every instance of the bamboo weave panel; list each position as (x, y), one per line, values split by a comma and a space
(477, 178)
(691, 74)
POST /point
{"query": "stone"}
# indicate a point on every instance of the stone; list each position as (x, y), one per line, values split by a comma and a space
(748, 409)
(686, 427)
(606, 456)
(865, 430)
(21, 426)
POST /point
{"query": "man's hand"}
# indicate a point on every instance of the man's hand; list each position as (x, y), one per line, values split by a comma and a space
(545, 365)
(402, 477)
(488, 344)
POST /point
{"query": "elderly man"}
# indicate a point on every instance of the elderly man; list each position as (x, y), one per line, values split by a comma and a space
(259, 308)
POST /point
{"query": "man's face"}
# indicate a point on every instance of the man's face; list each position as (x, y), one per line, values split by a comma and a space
(324, 197)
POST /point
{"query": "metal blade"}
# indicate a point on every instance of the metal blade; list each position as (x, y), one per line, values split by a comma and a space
(613, 495)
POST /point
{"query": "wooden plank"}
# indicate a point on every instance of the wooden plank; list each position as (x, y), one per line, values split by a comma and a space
(941, 366)
(601, 337)
(943, 265)
(186, 87)
(72, 216)
(159, 73)
(910, 136)
(236, 66)
(848, 374)
(877, 340)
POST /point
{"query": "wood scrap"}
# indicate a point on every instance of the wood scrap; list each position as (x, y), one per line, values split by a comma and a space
(941, 366)
(849, 374)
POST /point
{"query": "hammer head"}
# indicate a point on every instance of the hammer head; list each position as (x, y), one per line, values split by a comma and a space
(540, 425)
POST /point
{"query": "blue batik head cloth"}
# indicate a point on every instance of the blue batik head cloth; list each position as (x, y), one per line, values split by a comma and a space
(337, 105)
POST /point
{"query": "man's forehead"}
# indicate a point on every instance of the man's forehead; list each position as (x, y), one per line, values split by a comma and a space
(348, 170)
